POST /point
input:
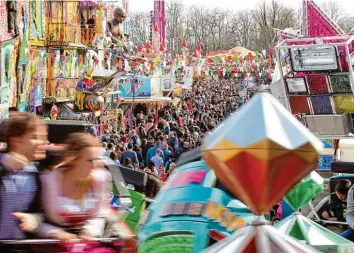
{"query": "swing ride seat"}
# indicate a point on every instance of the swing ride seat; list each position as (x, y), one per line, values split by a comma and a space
(331, 199)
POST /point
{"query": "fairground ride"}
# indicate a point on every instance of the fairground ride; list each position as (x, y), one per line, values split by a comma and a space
(314, 77)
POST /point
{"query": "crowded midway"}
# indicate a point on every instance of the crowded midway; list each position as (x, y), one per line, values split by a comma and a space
(120, 135)
(175, 128)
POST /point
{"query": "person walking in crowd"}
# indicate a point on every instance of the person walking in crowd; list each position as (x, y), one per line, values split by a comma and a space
(129, 153)
(153, 151)
(163, 175)
(158, 160)
(128, 163)
(114, 157)
(109, 149)
(151, 168)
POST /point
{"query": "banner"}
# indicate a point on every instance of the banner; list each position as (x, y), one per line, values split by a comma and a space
(166, 83)
(37, 20)
(38, 76)
(188, 78)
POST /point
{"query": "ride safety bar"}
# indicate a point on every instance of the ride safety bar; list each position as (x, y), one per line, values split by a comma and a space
(51, 241)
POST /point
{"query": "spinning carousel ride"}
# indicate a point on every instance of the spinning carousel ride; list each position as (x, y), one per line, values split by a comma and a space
(260, 167)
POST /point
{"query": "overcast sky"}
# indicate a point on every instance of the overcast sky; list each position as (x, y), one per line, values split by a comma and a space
(141, 5)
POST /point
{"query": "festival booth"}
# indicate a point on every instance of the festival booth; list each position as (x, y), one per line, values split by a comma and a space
(251, 70)
(77, 81)
(136, 90)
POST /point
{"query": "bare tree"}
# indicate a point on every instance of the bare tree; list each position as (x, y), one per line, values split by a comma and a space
(270, 16)
(142, 22)
(339, 15)
(175, 25)
(221, 29)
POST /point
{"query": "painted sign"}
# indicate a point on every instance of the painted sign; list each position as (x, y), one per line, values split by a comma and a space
(166, 83)
(4, 112)
(36, 20)
(142, 87)
(8, 79)
(38, 75)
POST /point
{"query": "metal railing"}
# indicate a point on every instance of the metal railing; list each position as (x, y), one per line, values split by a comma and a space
(52, 241)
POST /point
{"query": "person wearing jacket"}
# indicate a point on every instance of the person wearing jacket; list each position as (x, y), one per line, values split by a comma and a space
(349, 233)
(173, 142)
(152, 152)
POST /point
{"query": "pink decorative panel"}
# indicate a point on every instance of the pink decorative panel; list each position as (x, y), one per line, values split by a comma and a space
(318, 24)
(4, 34)
(285, 37)
(159, 18)
(300, 43)
(187, 177)
(300, 74)
(281, 35)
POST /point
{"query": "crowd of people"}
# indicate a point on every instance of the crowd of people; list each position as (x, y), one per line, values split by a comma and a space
(156, 138)
(66, 201)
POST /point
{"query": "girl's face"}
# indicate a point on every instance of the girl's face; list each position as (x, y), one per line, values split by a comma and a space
(88, 160)
(172, 166)
(161, 168)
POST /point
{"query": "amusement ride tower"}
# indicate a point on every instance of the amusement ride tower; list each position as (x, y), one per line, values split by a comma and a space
(314, 77)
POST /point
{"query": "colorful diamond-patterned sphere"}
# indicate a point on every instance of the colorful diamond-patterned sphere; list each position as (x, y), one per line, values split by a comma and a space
(304, 191)
(261, 152)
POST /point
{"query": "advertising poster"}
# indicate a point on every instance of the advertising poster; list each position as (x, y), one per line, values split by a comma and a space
(142, 87)
(155, 84)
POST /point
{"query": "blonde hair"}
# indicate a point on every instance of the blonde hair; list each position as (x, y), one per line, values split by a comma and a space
(74, 144)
